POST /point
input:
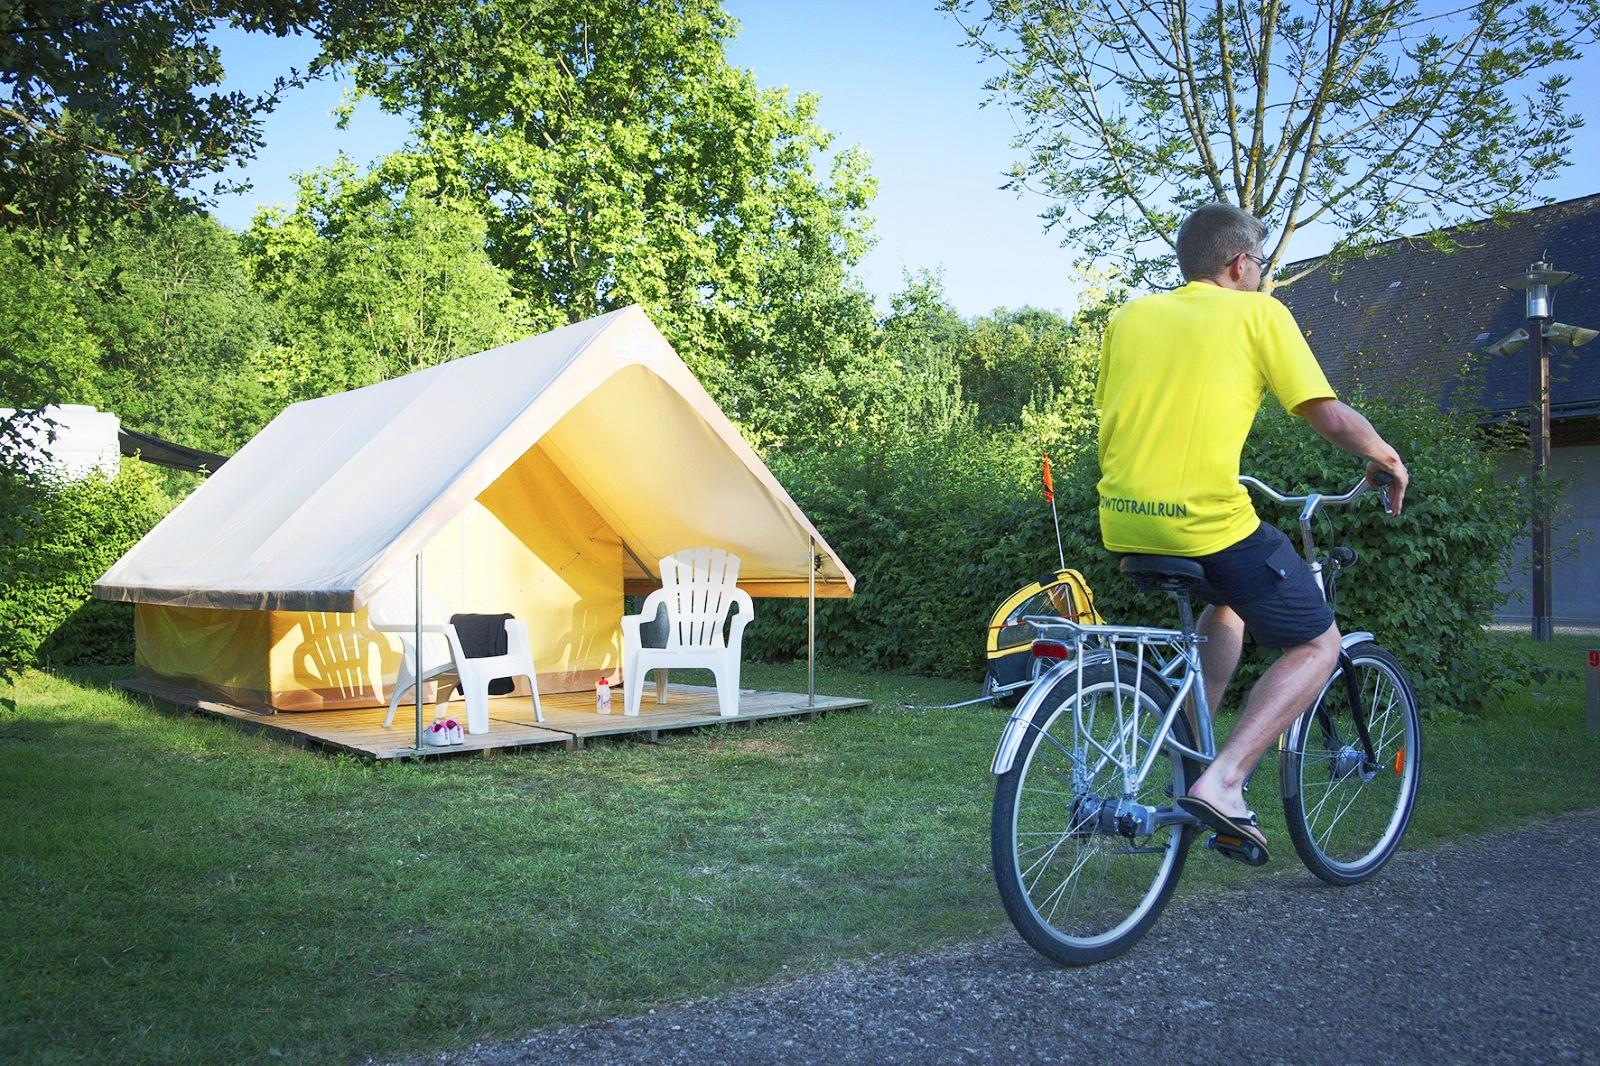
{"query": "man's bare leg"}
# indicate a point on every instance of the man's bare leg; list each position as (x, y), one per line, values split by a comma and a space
(1219, 655)
(1282, 693)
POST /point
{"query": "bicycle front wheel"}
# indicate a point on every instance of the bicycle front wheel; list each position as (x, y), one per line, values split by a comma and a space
(1080, 881)
(1346, 811)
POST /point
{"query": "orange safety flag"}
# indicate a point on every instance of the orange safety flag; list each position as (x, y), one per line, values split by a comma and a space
(1049, 483)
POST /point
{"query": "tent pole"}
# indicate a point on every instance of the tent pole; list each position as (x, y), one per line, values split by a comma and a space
(811, 629)
(418, 646)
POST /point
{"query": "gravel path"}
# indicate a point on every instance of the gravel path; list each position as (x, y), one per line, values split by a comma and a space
(1488, 950)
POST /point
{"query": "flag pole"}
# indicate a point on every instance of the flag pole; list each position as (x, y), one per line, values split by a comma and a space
(1061, 552)
(1050, 494)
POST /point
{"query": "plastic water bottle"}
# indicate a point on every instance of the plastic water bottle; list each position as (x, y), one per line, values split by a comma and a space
(602, 696)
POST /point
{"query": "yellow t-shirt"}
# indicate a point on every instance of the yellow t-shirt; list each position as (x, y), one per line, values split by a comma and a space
(1182, 374)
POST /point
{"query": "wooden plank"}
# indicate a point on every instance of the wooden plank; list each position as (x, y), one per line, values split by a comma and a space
(569, 719)
(358, 731)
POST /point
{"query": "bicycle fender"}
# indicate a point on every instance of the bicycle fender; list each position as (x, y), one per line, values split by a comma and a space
(1021, 719)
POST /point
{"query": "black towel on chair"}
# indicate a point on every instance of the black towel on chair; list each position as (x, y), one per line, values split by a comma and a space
(483, 636)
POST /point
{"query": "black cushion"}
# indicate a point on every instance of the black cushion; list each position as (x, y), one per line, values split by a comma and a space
(484, 636)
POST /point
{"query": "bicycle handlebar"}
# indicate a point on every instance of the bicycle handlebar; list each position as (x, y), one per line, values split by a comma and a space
(1313, 501)
(1356, 490)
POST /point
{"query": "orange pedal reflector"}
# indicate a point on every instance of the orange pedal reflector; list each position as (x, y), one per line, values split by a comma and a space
(1400, 761)
(1232, 842)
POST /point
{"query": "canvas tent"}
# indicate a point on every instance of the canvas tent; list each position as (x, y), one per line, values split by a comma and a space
(543, 478)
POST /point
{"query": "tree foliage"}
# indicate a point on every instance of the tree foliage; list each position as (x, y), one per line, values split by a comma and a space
(179, 329)
(941, 516)
(370, 282)
(1361, 115)
(159, 325)
(1025, 359)
(45, 340)
(618, 157)
(110, 111)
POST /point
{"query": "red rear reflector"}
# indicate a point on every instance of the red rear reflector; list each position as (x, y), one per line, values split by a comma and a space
(1400, 761)
(1051, 649)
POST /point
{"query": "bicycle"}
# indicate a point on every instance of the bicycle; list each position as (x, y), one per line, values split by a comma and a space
(1086, 838)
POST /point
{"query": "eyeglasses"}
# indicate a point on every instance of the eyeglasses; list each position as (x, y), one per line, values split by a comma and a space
(1259, 261)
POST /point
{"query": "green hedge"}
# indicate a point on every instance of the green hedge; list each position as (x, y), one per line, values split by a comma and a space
(939, 532)
(55, 541)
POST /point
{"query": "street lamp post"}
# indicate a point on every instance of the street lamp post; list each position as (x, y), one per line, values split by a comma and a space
(1536, 283)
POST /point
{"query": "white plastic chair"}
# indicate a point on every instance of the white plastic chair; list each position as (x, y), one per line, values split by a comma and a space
(698, 589)
(393, 610)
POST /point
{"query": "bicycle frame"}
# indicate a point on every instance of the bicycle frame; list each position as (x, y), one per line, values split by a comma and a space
(1094, 644)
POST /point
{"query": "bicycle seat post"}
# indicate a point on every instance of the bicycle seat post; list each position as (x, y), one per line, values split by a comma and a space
(1185, 611)
(1171, 574)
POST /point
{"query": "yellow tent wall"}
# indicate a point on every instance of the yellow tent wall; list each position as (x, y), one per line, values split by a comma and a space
(530, 545)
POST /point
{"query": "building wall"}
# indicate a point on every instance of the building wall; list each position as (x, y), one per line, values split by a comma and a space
(1575, 572)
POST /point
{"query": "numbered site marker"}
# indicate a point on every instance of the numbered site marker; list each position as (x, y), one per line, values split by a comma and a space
(1592, 692)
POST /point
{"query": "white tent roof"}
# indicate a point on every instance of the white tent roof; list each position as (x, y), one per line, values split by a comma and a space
(319, 509)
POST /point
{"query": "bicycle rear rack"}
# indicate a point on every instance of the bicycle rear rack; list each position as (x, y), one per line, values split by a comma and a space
(1169, 652)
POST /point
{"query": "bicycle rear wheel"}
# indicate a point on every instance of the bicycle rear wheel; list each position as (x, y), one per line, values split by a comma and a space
(1346, 813)
(1076, 892)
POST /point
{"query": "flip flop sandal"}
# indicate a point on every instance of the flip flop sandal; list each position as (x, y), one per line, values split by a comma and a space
(1233, 839)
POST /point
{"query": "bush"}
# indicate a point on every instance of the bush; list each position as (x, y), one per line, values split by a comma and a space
(1427, 581)
(938, 529)
(938, 532)
(58, 538)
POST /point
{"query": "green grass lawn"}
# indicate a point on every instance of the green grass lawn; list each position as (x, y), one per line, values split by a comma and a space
(176, 888)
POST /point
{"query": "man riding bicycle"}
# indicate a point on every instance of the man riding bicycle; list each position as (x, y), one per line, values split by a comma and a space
(1182, 374)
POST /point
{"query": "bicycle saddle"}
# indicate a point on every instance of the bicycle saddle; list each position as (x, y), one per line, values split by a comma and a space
(1169, 572)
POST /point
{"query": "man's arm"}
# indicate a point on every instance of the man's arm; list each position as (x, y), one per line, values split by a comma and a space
(1344, 426)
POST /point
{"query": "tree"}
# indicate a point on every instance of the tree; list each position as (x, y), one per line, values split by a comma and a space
(178, 328)
(103, 108)
(370, 283)
(923, 339)
(1014, 358)
(50, 353)
(617, 157)
(1361, 115)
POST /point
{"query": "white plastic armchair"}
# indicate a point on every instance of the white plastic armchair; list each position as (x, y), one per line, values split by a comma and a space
(698, 588)
(393, 611)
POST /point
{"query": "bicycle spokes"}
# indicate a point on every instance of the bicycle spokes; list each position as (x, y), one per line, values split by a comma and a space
(1351, 794)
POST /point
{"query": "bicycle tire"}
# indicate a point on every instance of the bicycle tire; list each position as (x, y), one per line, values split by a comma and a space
(1317, 779)
(1008, 862)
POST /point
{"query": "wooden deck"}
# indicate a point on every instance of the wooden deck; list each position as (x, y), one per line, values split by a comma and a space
(569, 719)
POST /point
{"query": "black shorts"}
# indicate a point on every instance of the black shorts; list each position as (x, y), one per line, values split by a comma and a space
(1271, 587)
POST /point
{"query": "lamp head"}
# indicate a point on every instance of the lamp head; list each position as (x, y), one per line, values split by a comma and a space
(1536, 282)
(1576, 336)
(1510, 344)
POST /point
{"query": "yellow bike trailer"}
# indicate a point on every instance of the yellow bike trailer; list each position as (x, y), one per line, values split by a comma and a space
(1012, 667)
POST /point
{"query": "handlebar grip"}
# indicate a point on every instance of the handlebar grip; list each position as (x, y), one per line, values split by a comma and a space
(1383, 479)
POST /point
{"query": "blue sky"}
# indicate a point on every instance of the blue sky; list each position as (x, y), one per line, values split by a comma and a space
(894, 80)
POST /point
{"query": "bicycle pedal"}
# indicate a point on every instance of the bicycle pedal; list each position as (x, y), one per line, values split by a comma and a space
(1238, 849)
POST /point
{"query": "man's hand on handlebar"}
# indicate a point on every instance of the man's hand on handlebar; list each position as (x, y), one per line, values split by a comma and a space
(1348, 428)
(1390, 478)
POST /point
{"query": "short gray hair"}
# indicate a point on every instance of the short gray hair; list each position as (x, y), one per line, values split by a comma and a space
(1213, 236)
